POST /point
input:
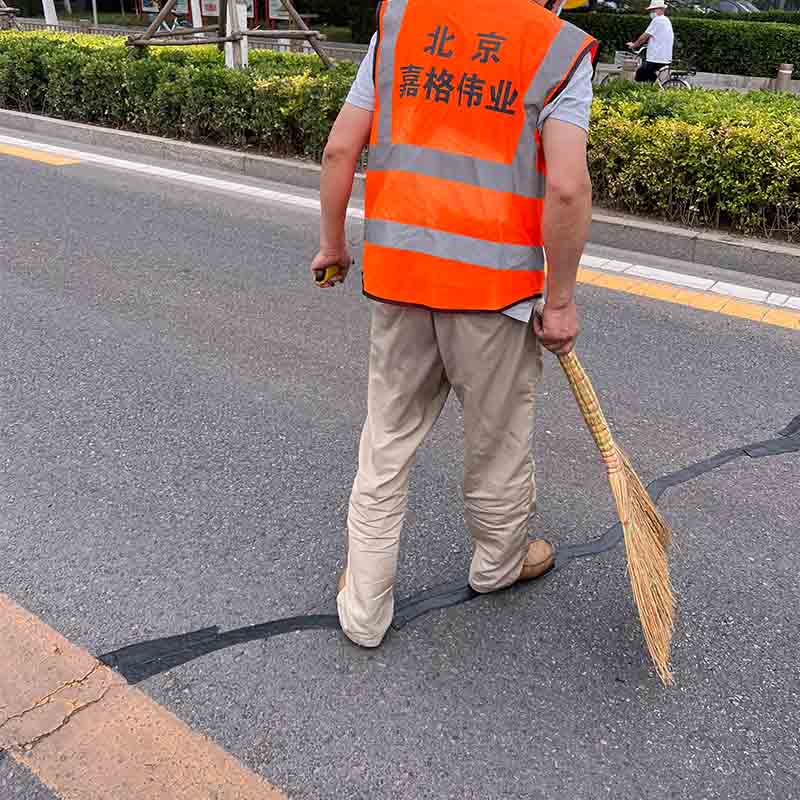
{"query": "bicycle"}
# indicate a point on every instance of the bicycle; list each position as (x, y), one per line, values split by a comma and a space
(670, 76)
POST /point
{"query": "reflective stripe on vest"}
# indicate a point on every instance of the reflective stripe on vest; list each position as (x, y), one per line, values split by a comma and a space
(456, 173)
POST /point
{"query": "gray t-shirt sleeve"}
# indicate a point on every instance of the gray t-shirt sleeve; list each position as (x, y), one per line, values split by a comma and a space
(574, 104)
(362, 92)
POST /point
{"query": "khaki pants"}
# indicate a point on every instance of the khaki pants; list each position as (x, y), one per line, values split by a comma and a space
(493, 363)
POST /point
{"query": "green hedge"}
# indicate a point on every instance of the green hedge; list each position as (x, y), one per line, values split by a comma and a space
(710, 45)
(786, 17)
(715, 159)
(701, 158)
(284, 103)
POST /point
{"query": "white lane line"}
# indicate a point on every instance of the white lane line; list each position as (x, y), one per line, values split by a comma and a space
(593, 262)
(177, 175)
(742, 292)
(777, 299)
(674, 278)
(616, 266)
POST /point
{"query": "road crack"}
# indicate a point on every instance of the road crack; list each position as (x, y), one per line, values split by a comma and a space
(31, 743)
(46, 700)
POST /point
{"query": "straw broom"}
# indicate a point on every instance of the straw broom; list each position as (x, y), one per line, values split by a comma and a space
(647, 536)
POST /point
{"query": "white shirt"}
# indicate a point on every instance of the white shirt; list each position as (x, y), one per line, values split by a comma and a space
(662, 39)
(573, 105)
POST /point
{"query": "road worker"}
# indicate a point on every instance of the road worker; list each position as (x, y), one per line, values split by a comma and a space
(476, 116)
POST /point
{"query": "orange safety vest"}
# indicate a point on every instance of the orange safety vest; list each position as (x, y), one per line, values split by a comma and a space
(456, 176)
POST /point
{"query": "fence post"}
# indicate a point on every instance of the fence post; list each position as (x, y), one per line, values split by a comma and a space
(50, 15)
(197, 15)
(783, 80)
(236, 55)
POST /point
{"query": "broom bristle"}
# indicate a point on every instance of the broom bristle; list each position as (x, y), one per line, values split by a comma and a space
(647, 538)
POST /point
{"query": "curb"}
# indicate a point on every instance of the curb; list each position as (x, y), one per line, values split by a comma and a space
(750, 256)
(709, 248)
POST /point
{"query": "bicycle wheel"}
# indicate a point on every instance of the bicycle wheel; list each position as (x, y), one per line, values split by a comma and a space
(676, 83)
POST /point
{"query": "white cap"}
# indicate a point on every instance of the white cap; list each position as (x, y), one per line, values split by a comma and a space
(655, 4)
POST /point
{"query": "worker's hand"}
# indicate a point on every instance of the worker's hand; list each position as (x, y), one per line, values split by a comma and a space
(631, 45)
(332, 258)
(557, 327)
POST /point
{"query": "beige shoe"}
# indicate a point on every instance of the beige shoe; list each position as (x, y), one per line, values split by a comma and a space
(539, 559)
(342, 581)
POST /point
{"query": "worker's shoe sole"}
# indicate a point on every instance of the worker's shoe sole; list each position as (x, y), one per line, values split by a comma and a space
(540, 558)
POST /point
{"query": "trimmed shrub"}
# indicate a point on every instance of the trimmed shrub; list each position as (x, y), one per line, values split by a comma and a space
(362, 19)
(699, 158)
(710, 45)
(284, 102)
(786, 17)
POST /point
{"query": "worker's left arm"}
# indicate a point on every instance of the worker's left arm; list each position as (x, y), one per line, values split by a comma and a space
(347, 140)
(567, 206)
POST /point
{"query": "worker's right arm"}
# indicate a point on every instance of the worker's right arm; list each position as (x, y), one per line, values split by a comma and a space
(565, 229)
(346, 142)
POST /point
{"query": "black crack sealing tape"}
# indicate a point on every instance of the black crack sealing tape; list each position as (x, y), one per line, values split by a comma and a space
(792, 428)
(137, 662)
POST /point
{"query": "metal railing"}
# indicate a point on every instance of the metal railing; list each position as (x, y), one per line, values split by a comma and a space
(27, 24)
(337, 50)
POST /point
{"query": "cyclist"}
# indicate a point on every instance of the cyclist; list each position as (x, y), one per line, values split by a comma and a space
(660, 40)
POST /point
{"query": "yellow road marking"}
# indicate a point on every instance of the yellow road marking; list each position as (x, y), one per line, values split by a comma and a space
(36, 155)
(88, 735)
(620, 282)
(656, 291)
(738, 308)
(786, 319)
(700, 300)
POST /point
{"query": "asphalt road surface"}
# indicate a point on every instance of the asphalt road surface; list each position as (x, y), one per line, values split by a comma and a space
(179, 416)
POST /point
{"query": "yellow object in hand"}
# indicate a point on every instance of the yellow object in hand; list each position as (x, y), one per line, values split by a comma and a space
(324, 275)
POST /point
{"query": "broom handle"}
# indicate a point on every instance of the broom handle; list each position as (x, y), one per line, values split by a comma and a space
(590, 407)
